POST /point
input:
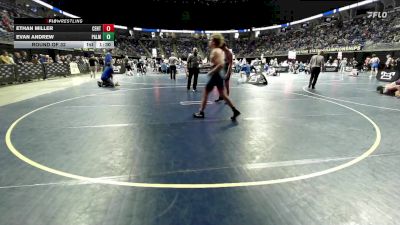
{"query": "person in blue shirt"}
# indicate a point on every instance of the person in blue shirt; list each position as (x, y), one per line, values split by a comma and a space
(108, 59)
(301, 68)
(106, 78)
(43, 59)
(164, 67)
(246, 69)
(266, 67)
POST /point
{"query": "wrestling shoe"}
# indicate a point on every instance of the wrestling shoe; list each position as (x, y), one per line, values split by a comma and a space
(236, 113)
(199, 115)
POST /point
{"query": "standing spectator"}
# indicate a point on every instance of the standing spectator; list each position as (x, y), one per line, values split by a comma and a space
(366, 63)
(108, 60)
(92, 66)
(343, 65)
(128, 67)
(193, 68)
(156, 65)
(374, 64)
(397, 64)
(389, 62)
(172, 65)
(101, 62)
(354, 63)
(4, 58)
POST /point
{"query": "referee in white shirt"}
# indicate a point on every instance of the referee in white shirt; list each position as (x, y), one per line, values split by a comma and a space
(316, 64)
(172, 65)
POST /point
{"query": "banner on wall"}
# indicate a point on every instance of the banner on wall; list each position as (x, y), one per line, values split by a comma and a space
(292, 55)
(335, 49)
(154, 52)
(74, 68)
(339, 55)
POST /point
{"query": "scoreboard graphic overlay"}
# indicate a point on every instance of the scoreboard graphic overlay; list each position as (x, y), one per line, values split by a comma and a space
(61, 34)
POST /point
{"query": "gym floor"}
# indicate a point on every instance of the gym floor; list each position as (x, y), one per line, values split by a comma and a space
(135, 154)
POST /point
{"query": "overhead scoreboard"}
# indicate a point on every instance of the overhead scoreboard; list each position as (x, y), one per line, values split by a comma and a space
(46, 33)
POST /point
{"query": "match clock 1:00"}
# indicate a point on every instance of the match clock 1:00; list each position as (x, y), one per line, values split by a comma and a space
(104, 44)
(108, 36)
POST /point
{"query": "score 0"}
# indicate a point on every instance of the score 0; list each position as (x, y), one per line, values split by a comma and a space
(108, 32)
(108, 27)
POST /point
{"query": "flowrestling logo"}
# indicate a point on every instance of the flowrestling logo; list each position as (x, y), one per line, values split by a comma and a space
(66, 21)
(387, 75)
(379, 15)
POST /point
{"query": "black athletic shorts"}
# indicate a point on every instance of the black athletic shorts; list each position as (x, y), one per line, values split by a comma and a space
(128, 67)
(215, 80)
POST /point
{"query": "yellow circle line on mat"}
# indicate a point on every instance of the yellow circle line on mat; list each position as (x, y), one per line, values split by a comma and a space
(22, 157)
